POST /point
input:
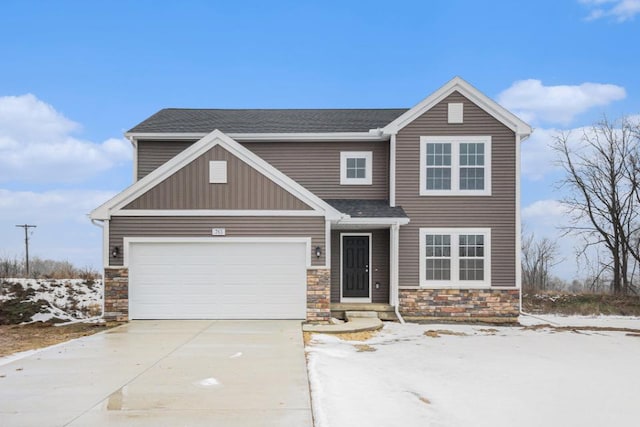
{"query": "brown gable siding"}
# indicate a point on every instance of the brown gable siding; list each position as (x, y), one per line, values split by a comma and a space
(189, 188)
(153, 154)
(497, 211)
(199, 226)
(379, 264)
(316, 165)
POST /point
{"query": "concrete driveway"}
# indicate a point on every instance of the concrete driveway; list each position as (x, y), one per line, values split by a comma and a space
(164, 373)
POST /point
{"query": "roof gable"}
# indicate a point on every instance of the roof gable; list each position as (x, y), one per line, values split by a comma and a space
(501, 114)
(195, 151)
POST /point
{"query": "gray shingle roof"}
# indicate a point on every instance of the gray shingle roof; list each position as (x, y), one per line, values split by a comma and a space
(173, 120)
(367, 208)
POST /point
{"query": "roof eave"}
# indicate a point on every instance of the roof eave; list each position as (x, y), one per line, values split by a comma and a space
(372, 135)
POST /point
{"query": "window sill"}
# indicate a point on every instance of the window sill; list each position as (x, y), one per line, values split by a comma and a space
(455, 193)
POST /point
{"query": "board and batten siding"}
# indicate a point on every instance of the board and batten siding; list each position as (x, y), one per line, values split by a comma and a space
(189, 188)
(316, 166)
(497, 211)
(379, 264)
(153, 154)
(199, 226)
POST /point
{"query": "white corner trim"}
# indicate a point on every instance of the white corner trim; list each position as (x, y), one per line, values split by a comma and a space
(474, 95)
(203, 145)
(327, 244)
(392, 171)
(455, 282)
(134, 142)
(247, 137)
(214, 212)
(106, 255)
(368, 174)
(352, 299)
(455, 165)
(518, 219)
(127, 241)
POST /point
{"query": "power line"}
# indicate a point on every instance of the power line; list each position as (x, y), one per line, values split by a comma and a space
(26, 243)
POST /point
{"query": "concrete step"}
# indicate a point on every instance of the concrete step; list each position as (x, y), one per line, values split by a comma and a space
(360, 314)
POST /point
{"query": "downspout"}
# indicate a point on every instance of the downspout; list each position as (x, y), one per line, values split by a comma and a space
(101, 225)
(395, 228)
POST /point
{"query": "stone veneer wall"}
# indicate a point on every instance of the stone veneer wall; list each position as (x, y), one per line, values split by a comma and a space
(460, 304)
(116, 294)
(319, 295)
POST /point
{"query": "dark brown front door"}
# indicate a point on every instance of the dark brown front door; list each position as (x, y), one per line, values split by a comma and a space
(355, 266)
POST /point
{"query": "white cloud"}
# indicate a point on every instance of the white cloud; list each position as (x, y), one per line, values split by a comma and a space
(36, 145)
(533, 101)
(619, 10)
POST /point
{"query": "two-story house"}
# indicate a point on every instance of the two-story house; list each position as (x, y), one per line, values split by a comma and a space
(275, 214)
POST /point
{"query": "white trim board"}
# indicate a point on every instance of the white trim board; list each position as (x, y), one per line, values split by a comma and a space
(214, 212)
(196, 150)
(351, 299)
(126, 241)
(372, 135)
(458, 84)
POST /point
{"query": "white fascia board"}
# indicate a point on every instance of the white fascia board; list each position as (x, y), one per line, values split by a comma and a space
(214, 212)
(374, 221)
(199, 148)
(294, 137)
(474, 95)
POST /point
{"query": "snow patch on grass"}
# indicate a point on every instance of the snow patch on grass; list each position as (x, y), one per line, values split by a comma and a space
(60, 300)
(478, 376)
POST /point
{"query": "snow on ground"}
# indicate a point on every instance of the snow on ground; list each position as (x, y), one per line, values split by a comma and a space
(67, 299)
(486, 376)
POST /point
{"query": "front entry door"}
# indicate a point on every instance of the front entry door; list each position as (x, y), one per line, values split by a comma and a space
(355, 266)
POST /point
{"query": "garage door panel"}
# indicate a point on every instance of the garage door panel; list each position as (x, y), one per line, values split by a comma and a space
(217, 280)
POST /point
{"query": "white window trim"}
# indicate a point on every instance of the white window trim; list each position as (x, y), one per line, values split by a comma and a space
(455, 142)
(455, 282)
(368, 156)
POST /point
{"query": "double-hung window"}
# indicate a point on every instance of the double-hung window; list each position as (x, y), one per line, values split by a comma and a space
(455, 165)
(455, 257)
(356, 167)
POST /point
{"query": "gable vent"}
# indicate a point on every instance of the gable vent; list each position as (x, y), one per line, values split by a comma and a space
(218, 172)
(456, 112)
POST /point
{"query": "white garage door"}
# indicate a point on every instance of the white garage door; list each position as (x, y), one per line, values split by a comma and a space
(217, 280)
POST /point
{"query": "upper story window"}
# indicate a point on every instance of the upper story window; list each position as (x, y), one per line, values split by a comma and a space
(455, 257)
(356, 167)
(455, 165)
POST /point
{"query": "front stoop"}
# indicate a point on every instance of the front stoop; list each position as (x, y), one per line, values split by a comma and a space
(355, 324)
(384, 311)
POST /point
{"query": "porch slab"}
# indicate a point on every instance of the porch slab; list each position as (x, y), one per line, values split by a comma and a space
(357, 324)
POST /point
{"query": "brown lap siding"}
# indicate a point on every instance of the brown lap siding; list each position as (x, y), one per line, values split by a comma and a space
(198, 226)
(497, 212)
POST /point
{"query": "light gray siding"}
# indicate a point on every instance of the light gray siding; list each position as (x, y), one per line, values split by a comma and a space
(316, 165)
(379, 264)
(497, 211)
(189, 188)
(153, 154)
(313, 227)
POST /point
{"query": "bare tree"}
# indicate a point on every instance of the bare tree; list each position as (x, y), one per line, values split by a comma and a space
(538, 256)
(602, 196)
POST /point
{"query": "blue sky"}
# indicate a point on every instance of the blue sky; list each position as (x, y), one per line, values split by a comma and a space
(75, 75)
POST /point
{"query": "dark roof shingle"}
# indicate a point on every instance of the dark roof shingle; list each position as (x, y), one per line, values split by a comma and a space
(357, 208)
(177, 120)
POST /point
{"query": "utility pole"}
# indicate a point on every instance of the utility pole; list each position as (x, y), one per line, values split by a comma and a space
(26, 243)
